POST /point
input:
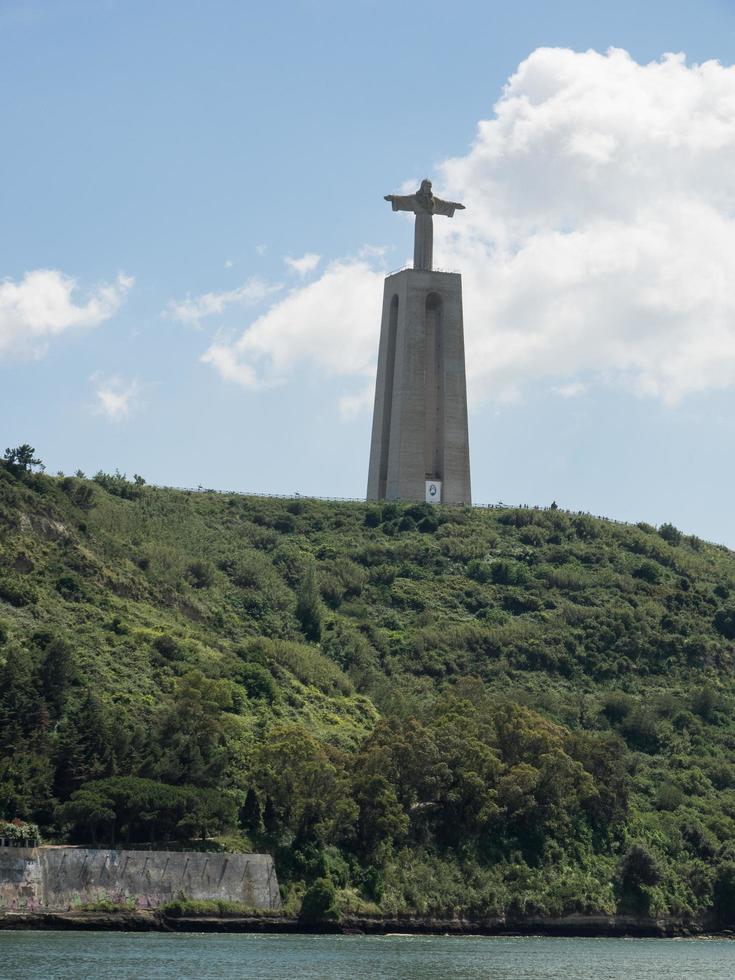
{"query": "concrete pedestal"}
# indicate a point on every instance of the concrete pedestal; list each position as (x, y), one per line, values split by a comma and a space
(420, 438)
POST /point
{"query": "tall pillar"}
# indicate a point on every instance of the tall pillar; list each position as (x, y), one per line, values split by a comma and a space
(420, 445)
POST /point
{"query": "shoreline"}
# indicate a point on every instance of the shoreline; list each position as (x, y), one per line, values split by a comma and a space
(570, 926)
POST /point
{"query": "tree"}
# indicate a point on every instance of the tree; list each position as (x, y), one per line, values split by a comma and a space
(22, 459)
(137, 809)
(25, 785)
(305, 787)
(639, 867)
(381, 818)
(91, 742)
(90, 810)
(723, 897)
(639, 870)
(191, 734)
(19, 700)
(309, 607)
(251, 815)
(56, 674)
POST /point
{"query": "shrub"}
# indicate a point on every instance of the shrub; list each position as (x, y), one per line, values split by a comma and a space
(533, 535)
(205, 907)
(617, 706)
(706, 703)
(309, 666)
(258, 682)
(480, 570)
(722, 774)
(648, 571)
(167, 647)
(724, 622)
(670, 533)
(20, 832)
(80, 493)
(428, 524)
(586, 528)
(669, 797)
(520, 517)
(320, 902)
(201, 574)
(374, 883)
(284, 523)
(108, 905)
(17, 592)
(505, 572)
(69, 587)
(640, 730)
(118, 485)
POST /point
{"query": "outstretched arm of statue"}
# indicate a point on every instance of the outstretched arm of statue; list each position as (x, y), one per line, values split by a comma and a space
(446, 208)
(402, 203)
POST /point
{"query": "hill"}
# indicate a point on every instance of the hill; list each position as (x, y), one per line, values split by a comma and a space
(416, 709)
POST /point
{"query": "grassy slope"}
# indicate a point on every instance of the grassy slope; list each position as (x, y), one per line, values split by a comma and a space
(594, 625)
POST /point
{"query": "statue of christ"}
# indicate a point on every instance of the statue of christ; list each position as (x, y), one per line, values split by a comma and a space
(424, 205)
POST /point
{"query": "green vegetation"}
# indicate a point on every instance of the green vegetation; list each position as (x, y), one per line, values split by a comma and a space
(215, 907)
(107, 905)
(414, 709)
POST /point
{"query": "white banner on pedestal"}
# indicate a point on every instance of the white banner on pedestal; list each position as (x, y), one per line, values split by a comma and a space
(433, 491)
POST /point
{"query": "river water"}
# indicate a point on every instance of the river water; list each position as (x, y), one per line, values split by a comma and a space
(194, 956)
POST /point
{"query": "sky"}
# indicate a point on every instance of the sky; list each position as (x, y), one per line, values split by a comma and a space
(193, 240)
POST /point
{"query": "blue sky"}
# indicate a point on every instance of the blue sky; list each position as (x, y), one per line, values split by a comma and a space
(163, 161)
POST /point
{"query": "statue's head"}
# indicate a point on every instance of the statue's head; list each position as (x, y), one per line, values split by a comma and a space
(424, 195)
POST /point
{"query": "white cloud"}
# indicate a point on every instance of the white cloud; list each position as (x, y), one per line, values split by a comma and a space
(196, 308)
(571, 390)
(330, 323)
(261, 249)
(303, 266)
(224, 358)
(115, 398)
(42, 305)
(598, 241)
(599, 237)
(229, 263)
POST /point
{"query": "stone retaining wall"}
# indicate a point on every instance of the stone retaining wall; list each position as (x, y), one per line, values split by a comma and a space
(67, 877)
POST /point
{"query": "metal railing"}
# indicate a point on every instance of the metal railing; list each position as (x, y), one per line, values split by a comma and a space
(405, 268)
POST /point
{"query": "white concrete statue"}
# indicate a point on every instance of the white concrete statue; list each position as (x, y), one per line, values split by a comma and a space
(424, 205)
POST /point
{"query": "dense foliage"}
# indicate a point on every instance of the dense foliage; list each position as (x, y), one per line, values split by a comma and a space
(439, 710)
